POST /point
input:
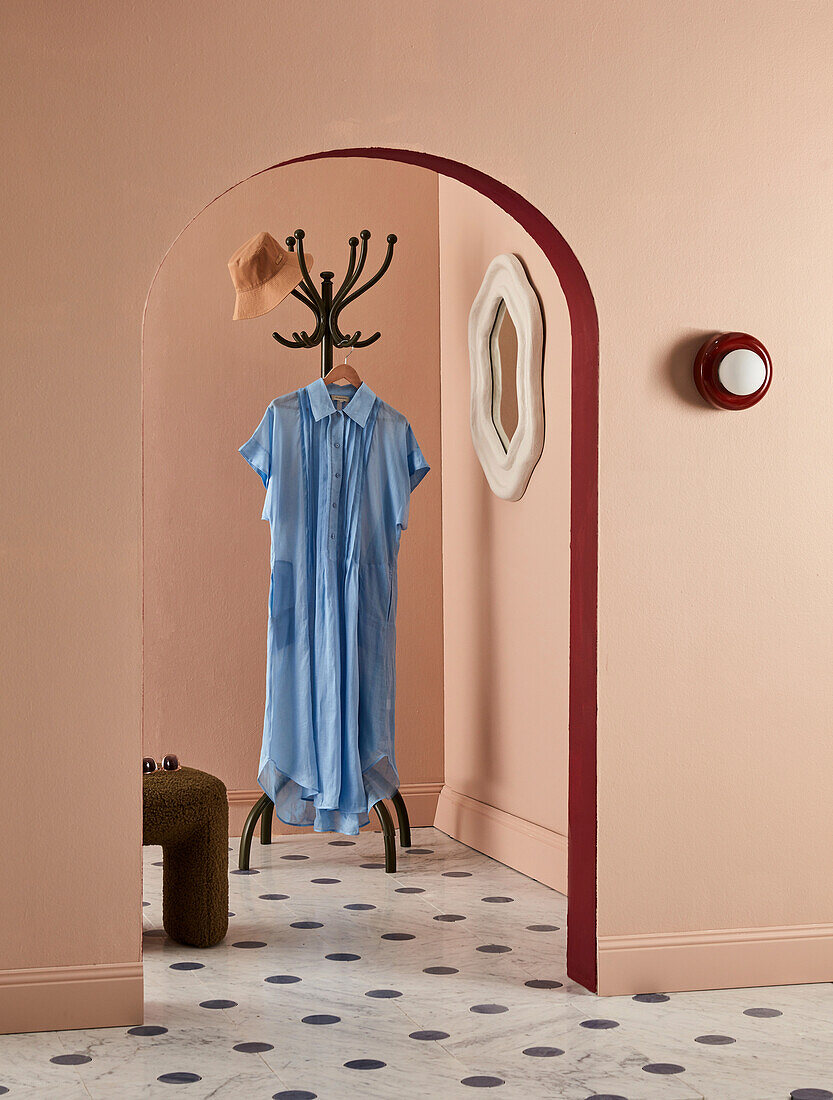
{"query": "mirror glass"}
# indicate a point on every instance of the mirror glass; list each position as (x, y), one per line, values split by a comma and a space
(503, 353)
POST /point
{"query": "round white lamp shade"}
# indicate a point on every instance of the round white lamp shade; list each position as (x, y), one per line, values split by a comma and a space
(742, 372)
(732, 370)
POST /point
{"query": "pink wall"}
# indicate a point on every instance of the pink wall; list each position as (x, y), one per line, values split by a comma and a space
(506, 576)
(207, 381)
(682, 150)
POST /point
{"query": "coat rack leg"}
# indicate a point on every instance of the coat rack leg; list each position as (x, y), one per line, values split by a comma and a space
(404, 821)
(386, 821)
(248, 831)
(266, 823)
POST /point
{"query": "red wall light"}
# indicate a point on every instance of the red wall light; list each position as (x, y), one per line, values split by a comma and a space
(732, 371)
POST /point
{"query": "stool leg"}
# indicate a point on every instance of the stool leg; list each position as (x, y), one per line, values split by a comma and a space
(195, 873)
(386, 821)
(248, 830)
(266, 823)
(404, 822)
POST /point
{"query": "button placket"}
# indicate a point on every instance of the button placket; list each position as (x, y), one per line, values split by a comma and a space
(336, 467)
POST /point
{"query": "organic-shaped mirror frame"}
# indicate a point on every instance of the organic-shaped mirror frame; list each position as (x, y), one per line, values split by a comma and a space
(507, 467)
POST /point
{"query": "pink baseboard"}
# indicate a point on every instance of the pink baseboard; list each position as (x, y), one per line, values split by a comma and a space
(62, 998)
(669, 962)
(531, 849)
(420, 798)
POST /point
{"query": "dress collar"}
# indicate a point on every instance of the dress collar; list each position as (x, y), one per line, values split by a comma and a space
(357, 408)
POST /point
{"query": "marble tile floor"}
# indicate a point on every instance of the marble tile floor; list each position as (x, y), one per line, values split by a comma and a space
(444, 980)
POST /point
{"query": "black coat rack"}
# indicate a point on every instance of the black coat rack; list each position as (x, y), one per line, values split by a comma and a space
(326, 308)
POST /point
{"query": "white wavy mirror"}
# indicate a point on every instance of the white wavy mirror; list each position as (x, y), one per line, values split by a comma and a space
(506, 338)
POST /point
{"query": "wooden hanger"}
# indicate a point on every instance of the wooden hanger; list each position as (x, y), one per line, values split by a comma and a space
(343, 372)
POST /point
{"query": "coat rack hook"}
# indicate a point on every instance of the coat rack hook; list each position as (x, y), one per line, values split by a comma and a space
(325, 305)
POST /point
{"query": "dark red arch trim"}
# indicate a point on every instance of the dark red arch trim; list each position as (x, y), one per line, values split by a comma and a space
(584, 519)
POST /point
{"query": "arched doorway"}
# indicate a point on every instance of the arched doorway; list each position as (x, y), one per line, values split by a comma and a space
(581, 928)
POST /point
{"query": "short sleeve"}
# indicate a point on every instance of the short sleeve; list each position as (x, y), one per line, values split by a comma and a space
(258, 450)
(417, 466)
(414, 468)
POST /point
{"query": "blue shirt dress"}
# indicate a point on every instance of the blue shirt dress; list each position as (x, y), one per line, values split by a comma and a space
(338, 477)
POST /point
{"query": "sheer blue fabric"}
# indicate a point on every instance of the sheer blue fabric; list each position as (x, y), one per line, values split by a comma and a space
(338, 465)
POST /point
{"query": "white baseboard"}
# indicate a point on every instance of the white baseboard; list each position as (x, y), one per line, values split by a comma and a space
(531, 849)
(420, 798)
(667, 962)
(62, 998)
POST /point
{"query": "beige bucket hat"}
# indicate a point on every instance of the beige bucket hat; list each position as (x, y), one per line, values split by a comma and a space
(263, 274)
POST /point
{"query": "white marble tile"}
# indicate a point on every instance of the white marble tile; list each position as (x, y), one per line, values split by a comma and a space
(769, 1058)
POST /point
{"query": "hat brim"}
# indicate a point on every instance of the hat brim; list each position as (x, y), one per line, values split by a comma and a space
(261, 299)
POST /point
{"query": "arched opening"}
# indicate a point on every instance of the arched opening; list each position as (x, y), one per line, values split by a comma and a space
(583, 524)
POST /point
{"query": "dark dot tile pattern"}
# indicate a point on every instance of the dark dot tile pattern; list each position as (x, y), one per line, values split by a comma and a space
(330, 909)
(70, 1059)
(3, 1090)
(244, 871)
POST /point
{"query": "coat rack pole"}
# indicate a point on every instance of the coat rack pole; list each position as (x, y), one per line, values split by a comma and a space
(327, 340)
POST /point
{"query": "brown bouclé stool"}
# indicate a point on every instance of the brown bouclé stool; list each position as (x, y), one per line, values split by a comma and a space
(186, 811)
